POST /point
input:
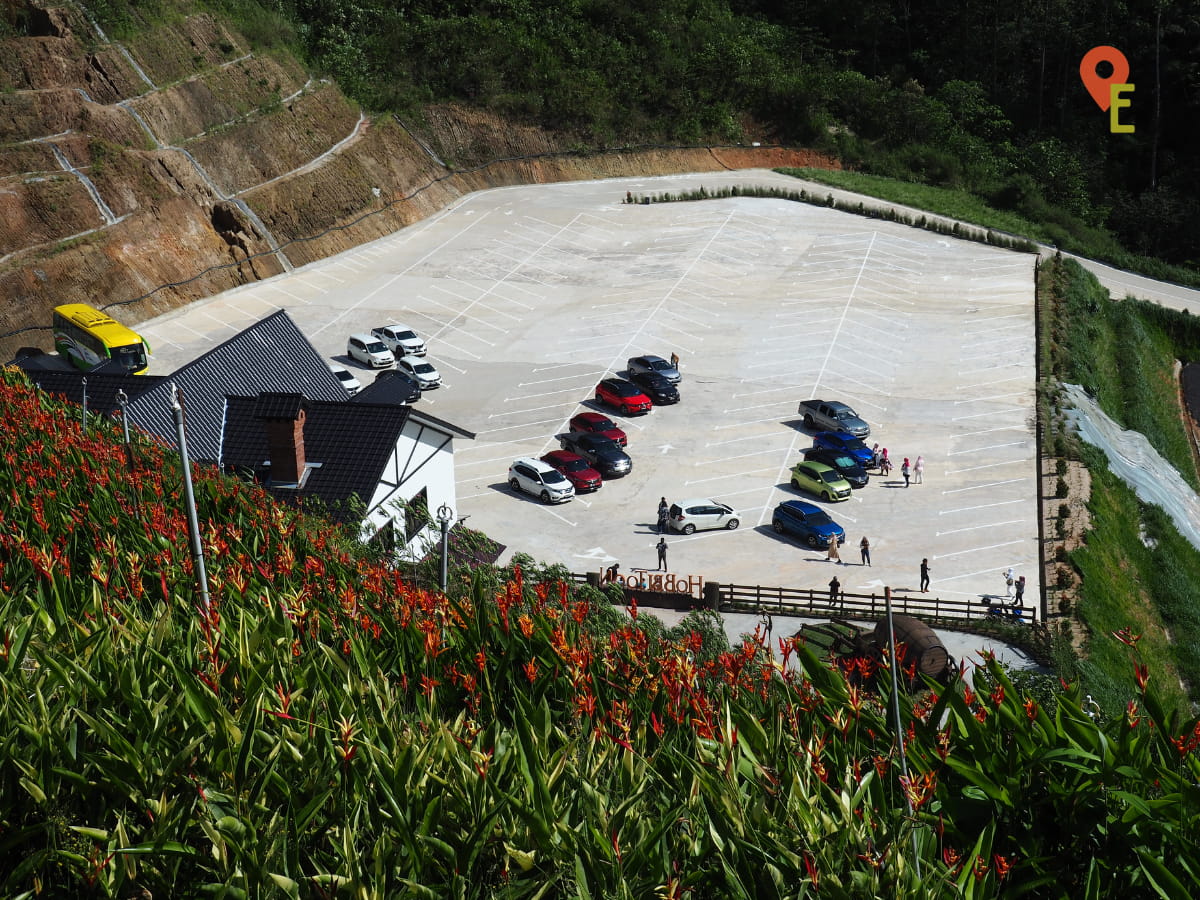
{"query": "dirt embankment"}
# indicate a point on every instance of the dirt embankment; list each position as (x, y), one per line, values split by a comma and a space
(174, 166)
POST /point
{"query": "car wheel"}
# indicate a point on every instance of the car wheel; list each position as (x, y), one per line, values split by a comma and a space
(515, 485)
(625, 410)
(599, 399)
(689, 529)
(778, 526)
(732, 524)
(795, 484)
(808, 422)
(545, 496)
(811, 540)
(828, 497)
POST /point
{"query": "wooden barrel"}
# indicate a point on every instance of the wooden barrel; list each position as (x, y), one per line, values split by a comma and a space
(921, 645)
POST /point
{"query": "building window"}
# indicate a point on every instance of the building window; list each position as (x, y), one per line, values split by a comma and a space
(416, 515)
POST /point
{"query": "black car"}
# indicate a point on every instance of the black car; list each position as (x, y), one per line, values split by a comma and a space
(657, 387)
(845, 464)
(602, 452)
(408, 387)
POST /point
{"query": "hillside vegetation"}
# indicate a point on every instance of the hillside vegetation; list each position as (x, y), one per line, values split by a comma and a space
(323, 727)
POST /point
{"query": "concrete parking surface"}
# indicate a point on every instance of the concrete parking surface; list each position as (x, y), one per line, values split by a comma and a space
(528, 296)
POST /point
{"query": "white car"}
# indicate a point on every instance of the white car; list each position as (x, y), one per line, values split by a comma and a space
(425, 374)
(540, 479)
(400, 339)
(370, 351)
(346, 377)
(688, 516)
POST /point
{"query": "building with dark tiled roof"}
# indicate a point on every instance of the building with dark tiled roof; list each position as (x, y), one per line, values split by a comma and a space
(264, 405)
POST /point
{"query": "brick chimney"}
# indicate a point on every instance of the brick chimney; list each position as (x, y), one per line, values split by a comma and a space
(283, 415)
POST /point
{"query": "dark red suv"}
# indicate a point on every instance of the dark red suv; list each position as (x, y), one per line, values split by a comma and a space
(623, 395)
(577, 470)
(598, 423)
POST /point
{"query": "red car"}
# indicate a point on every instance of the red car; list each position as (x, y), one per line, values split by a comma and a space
(597, 423)
(623, 395)
(577, 470)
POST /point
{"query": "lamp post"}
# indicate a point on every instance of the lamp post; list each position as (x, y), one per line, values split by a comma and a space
(445, 516)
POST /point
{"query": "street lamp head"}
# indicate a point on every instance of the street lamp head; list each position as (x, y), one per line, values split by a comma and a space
(445, 514)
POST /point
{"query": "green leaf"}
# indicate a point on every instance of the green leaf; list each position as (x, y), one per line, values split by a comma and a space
(1164, 883)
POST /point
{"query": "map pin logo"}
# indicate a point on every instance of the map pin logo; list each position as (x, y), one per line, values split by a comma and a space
(1099, 87)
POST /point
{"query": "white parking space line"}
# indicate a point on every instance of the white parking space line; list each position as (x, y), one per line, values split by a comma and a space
(978, 527)
(963, 509)
(987, 485)
(1024, 443)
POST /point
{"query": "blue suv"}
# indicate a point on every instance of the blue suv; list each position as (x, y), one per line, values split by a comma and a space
(846, 442)
(806, 521)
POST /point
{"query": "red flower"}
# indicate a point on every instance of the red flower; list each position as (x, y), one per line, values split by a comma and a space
(1031, 709)
(1141, 675)
(531, 671)
(1003, 865)
(1125, 636)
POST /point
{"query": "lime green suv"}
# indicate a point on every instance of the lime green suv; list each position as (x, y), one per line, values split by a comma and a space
(820, 479)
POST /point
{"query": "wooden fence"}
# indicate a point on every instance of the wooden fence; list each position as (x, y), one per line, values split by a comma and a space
(803, 602)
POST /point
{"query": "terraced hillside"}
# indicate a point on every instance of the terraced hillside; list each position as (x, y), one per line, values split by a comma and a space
(183, 163)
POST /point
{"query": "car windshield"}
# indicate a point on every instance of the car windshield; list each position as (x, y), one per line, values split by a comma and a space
(132, 357)
(854, 444)
(846, 414)
(603, 425)
(627, 390)
(659, 365)
(376, 347)
(818, 518)
(344, 375)
(829, 476)
(576, 465)
(405, 336)
(424, 368)
(552, 477)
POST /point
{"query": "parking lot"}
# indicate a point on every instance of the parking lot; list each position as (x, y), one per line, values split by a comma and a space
(528, 296)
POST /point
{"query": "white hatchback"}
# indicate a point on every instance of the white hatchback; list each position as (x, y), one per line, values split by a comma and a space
(346, 377)
(424, 372)
(702, 514)
(370, 351)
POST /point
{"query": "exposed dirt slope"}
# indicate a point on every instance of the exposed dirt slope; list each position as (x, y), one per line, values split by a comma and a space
(175, 166)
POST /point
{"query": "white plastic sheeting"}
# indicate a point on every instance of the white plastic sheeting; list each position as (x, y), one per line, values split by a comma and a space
(1132, 459)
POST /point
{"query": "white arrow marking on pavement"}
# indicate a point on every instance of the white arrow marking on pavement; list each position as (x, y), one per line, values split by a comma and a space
(871, 584)
(595, 553)
(666, 447)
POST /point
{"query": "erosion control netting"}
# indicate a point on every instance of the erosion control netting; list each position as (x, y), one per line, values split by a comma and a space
(1132, 459)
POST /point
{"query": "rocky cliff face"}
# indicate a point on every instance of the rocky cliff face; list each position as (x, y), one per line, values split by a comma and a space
(153, 173)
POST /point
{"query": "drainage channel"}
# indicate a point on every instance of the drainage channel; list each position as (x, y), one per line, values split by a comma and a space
(105, 212)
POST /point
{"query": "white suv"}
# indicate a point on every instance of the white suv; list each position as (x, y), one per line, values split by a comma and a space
(369, 351)
(400, 339)
(689, 516)
(540, 479)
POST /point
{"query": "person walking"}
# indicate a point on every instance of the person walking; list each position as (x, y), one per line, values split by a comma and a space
(925, 575)
(1019, 599)
(661, 547)
(834, 587)
(674, 360)
(905, 470)
(919, 470)
(1008, 582)
(664, 515)
(864, 547)
(833, 550)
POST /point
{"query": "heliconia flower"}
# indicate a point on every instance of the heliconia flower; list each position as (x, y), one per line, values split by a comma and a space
(918, 789)
(1141, 675)
(1003, 865)
(980, 868)
(997, 695)
(1125, 636)
(1031, 708)
(951, 857)
(531, 671)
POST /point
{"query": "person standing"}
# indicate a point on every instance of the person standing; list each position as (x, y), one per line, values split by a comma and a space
(864, 547)
(919, 470)
(1008, 582)
(833, 550)
(925, 575)
(905, 470)
(661, 547)
(834, 587)
(664, 515)
(675, 361)
(1019, 599)
(874, 464)
(885, 464)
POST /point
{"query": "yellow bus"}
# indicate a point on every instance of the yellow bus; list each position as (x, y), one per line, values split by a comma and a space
(88, 337)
